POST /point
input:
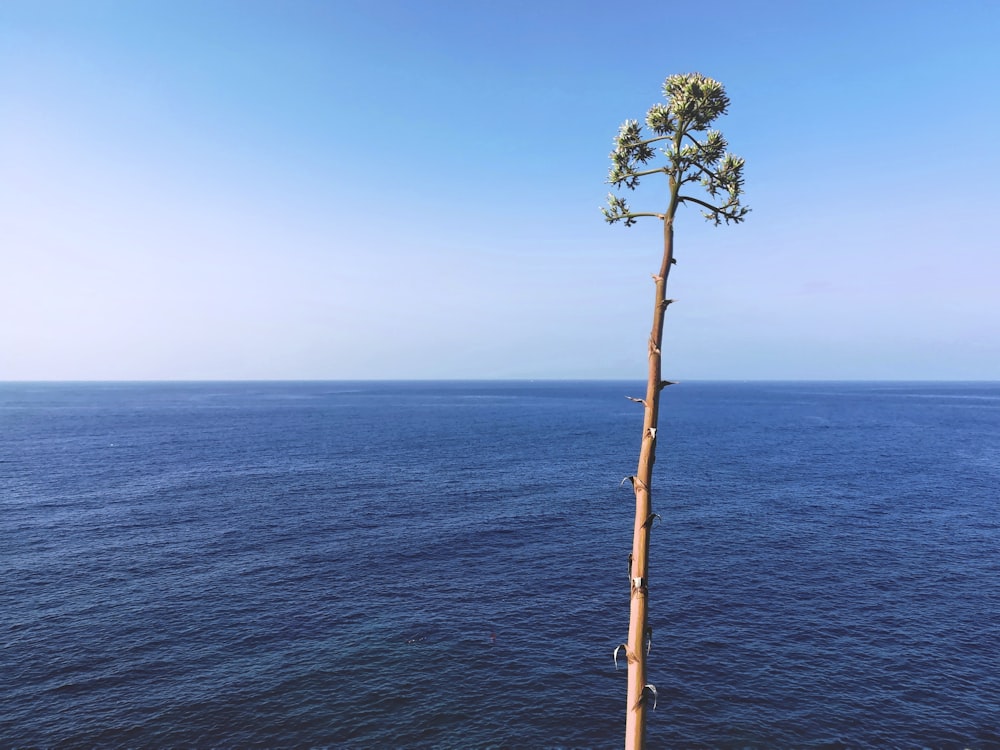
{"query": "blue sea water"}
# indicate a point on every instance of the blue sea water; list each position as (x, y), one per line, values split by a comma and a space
(444, 565)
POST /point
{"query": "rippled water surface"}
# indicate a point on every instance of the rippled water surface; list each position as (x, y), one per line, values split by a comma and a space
(443, 565)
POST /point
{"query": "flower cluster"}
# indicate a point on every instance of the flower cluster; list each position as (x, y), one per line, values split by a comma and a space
(630, 151)
(696, 100)
(693, 102)
(617, 210)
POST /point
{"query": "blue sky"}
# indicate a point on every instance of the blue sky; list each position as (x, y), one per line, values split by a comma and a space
(341, 190)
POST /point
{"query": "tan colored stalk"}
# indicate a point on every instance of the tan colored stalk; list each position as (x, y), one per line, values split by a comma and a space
(693, 102)
(638, 627)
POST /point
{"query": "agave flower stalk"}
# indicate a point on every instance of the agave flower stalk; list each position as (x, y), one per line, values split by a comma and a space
(682, 147)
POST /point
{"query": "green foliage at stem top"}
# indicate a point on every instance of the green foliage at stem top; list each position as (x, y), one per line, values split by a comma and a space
(693, 153)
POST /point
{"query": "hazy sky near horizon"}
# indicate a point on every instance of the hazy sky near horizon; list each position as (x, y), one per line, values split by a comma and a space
(363, 189)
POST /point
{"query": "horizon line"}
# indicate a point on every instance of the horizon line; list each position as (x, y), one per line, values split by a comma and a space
(55, 381)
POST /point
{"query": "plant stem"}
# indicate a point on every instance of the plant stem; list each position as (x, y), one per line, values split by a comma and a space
(635, 718)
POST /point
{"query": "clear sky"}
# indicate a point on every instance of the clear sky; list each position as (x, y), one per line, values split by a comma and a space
(411, 189)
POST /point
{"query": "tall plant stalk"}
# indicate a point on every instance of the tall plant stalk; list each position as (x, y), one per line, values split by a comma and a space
(693, 103)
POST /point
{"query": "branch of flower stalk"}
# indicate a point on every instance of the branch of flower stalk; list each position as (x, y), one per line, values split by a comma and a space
(716, 211)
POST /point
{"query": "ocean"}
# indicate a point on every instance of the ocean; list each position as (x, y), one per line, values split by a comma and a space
(444, 565)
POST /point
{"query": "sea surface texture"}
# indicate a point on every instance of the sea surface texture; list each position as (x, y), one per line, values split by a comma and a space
(444, 565)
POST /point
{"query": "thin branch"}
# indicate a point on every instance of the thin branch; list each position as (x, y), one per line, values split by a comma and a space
(631, 175)
(701, 168)
(732, 211)
(636, 216)
(709, 206)
(698, 144)
(654, 140)
(687, 176)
